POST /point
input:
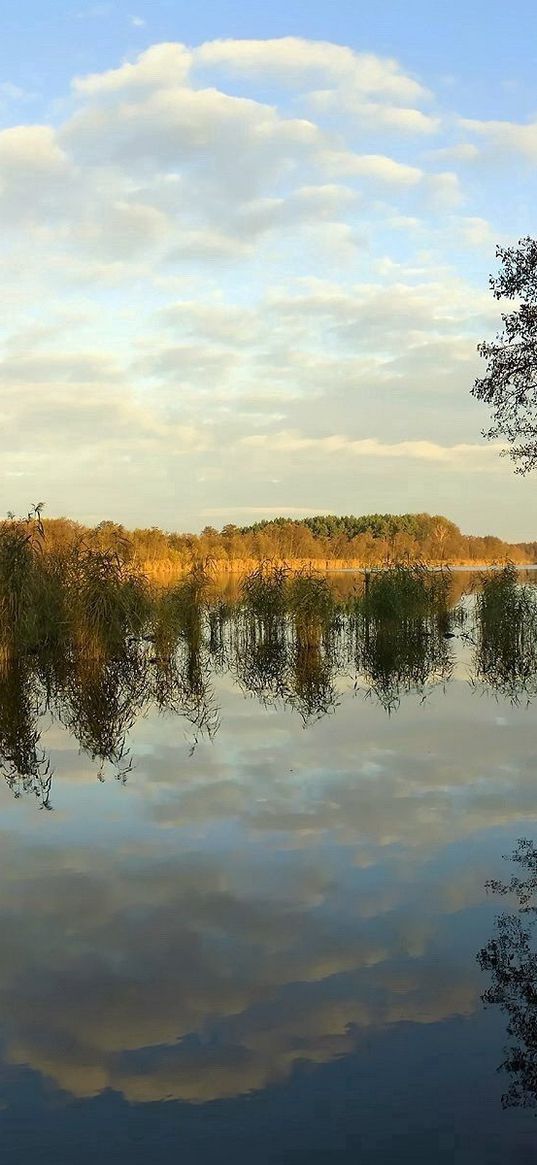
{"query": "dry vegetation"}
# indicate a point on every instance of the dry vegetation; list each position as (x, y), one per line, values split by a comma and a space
(86, 638)
(324, 543)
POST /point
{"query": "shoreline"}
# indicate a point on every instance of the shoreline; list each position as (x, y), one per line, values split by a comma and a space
(162, 570)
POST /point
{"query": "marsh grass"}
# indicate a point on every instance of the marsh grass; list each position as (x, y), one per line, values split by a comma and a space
(84, 638)
(179, 611)
(404, 618)
(21, 576)
(264, 595)
(107, 600)
(400, 593)
(506, 635)
(310, 603)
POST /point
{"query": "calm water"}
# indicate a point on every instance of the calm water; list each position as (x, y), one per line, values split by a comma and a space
(260, 943)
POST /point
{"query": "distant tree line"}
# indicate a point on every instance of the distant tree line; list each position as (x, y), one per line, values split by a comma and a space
(369, 540)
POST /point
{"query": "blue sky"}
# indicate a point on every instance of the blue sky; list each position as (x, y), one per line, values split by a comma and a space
(245, 252)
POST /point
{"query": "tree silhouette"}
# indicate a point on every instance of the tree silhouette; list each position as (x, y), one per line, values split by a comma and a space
(511, 958)
(509, 386)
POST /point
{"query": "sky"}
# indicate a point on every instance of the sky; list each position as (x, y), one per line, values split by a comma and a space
(245, 252)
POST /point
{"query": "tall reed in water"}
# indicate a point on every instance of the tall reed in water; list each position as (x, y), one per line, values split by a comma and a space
(406, 592)
(108, 601)
(21, 546)
(311, 604)
(506, 634)
(264, 595)
(403, 616)
(178, 611)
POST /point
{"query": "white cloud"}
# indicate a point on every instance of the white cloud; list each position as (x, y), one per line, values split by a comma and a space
(245, 267)
(296, 62)
(376, 167)
(444, 190)
(475, 456)
(505, 137)
(30, 149)
(372, 116)
(222, 511)
(160, 66)
(11, 92)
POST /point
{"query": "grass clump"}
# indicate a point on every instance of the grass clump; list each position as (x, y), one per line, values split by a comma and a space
(403, 618)
(107, 600)
(406, 592)
(506, 635)
(21, 548)
(311, 605)
(264, 594)
(179, 610)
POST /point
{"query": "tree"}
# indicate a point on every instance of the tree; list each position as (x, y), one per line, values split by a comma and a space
(509, 386)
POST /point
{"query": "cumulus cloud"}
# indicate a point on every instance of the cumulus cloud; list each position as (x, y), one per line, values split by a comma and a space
(505, 137)
(254, 225)
(159, 66)
(337, 444)
(295, 61)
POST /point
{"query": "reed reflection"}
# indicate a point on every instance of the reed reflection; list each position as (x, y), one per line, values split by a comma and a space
(23, 760)
(119, 650)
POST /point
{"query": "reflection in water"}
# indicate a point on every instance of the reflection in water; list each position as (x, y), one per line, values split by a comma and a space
(172, 975)
(23, 761)
(281, 658)
(283, 926)
(511, 959)
(99, 702)
(412, 656)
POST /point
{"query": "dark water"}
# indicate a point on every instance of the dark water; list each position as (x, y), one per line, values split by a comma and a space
(260, 943)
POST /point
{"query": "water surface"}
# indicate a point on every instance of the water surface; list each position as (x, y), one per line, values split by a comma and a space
(254, 938)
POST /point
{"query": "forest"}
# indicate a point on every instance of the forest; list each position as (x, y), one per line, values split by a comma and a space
(324, 541)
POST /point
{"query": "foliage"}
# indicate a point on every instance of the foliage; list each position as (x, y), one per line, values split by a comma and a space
(509, 386)
(372, 540)
(107, 599)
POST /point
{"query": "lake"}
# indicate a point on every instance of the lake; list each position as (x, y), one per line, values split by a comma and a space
(245, 927)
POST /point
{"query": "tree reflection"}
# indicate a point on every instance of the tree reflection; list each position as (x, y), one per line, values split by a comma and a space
(394, 640)
(511, 959)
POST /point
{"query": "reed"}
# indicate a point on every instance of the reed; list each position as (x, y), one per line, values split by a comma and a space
(406, 592)
(310, 602)
(506, 635)
(21, 569)
(107, 599)
(263, 594)
(178, 611)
